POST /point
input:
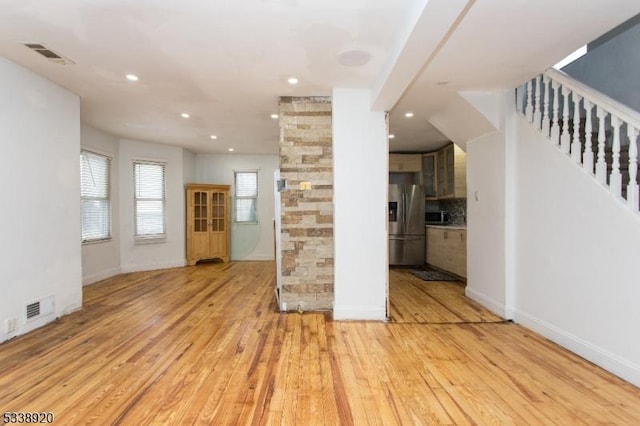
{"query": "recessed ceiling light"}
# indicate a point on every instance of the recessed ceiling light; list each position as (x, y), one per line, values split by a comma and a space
(408, 114)
(274, 116)
(230, 149)
(132, 77)
(213, 137)
(292, 80)
(185, 115)
(391, 136)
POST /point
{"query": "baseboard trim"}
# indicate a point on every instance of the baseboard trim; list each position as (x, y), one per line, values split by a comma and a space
(153, 266)
(490, 303)
(599, 356)
(259, 257)
(99, 276)
(365, 313)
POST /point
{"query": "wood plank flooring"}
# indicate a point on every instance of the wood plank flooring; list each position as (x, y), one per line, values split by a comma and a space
(205, 345)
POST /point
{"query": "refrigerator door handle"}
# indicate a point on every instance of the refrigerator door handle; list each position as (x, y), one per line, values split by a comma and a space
(404, 212)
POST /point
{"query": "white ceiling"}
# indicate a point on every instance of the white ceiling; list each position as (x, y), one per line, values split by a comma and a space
(226, 62)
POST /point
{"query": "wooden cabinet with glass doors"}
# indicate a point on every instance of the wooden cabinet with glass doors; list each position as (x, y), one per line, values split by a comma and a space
(207, 222)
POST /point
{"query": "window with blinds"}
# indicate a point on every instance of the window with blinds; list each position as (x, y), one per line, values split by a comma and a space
(95, 196)
(246, 197)
(149, 200)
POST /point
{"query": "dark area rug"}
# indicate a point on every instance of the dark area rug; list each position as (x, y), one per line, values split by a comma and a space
(428, 274)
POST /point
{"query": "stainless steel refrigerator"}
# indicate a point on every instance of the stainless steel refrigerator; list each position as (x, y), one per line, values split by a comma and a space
(406, 225)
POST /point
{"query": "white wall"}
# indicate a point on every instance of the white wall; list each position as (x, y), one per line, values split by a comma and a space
(577, 259)
(248, 241)
(102, 259)
(360, 173)
(171, 252)
(40, 219)
(490, 192)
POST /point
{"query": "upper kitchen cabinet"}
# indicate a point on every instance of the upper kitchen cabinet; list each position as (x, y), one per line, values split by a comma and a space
(451, 172)
(429, 175)
(411, 163)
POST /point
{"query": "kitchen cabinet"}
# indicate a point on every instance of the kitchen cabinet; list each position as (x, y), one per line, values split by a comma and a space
(447, 249)
(405, 163)
(429, 175)
(451, 172)
(207, 222)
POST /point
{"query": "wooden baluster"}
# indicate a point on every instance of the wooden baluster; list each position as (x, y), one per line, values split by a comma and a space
(537, 113)
(555, 127)
(601, 164)
(528, 112)
(633, 196)
(546, 125)
(587, 157)
(576, 145)
(615, 178)
(565, 138)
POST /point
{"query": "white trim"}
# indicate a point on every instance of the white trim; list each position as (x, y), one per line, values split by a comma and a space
(599, 356)
(490, 303)
(359, 313)
(99, 276)
(254, 257)
(152, 266)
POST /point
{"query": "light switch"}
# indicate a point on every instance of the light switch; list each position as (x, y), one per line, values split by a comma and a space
(305, 186)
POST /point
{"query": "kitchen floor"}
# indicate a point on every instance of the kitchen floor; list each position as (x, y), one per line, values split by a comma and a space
(413, 300)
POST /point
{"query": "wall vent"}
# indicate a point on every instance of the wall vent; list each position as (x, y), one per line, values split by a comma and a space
(40, 308)
(48, 53)
(33, 310)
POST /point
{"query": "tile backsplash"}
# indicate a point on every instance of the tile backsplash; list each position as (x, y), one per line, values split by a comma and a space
(457, 208)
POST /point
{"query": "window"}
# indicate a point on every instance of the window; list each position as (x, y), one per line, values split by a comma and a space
(246, 197)
(149, 200)
(95, 196)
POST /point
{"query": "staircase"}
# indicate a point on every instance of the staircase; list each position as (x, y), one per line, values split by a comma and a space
(595, 131)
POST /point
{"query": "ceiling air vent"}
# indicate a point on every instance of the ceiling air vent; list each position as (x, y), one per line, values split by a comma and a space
(48, 53)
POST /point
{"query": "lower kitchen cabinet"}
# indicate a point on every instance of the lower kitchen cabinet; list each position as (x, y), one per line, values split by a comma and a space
(447, 249)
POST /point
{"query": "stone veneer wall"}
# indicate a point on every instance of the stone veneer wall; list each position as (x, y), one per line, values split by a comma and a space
(307, 216)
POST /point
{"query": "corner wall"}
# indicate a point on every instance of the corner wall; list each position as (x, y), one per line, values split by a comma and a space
(307, 215)
(40, 255)
(171, 252)
(102, 259)
(249, 241)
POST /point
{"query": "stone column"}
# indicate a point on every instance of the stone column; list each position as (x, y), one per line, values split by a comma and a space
(307, 204)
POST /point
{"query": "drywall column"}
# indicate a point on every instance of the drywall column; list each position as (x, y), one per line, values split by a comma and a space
(360, 167)
(40, 255)
(307, 203)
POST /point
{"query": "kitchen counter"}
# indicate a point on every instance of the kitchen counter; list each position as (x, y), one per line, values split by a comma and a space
(447, 226)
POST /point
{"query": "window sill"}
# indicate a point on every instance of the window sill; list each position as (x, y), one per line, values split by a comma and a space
(150, 240)
(101, 240)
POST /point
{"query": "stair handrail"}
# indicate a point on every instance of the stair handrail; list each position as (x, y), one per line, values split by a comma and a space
(612, 106)
(561, 125)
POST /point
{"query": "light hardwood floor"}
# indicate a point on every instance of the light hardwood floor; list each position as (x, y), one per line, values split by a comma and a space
(205, 345)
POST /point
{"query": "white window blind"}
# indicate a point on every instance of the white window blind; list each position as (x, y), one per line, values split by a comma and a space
(149, 200)
(246, 197)
(95, 196)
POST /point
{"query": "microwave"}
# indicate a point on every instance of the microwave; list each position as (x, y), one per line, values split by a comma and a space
(439, 216)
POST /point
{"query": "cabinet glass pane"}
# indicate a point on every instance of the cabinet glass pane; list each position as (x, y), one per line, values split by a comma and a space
(429, 175)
